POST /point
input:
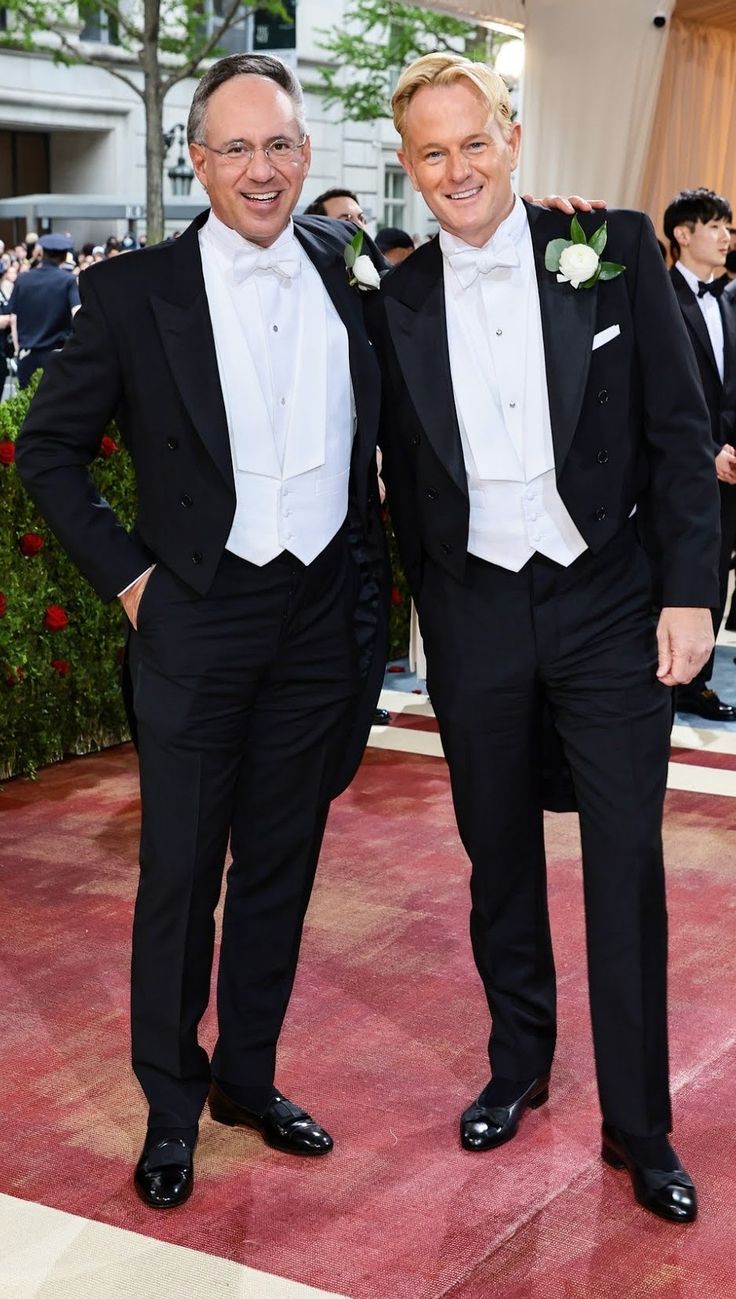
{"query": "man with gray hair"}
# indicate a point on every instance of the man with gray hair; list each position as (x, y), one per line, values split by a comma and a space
(237, 366)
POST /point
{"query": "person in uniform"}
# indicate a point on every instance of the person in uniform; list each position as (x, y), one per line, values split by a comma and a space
(42, 306)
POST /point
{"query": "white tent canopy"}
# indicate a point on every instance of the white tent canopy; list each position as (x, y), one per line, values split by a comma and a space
(617, 106)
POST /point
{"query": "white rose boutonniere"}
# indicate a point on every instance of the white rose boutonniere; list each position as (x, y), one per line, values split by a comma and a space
(577, 260)
(362, 274)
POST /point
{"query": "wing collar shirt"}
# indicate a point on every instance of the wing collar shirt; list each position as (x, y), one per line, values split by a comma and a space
(711, 310)
(282, 356)
(494, 330)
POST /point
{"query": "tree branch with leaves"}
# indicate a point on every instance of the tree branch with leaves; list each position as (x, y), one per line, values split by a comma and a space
(376, 40)
(157, 44)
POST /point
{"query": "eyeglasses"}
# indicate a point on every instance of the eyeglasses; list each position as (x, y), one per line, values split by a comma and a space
(238, 154)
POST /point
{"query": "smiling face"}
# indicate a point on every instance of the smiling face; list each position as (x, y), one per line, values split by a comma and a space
(704, 247)
(255, 197)
(458, 158)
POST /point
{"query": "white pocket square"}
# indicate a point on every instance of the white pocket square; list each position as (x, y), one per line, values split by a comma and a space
(605, 336)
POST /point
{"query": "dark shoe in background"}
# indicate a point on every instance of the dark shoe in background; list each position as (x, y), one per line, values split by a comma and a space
(705, 703)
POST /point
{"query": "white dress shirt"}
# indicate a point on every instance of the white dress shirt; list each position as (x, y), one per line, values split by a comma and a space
(711, 314)
(496, 347)
(282, 356)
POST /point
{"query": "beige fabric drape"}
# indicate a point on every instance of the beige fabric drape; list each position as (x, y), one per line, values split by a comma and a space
(590, 88)
(693, 139)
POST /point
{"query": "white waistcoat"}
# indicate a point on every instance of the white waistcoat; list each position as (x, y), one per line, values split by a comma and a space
(282, 356)
(494, 330)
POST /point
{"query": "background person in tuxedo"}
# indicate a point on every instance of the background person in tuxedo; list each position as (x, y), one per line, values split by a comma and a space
(696, 224)
(236, 361)
(523, 420)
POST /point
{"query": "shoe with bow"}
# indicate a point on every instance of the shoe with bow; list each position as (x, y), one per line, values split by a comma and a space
(669, 1193)
(164, 1174)
(282, 1124)
(484, 1126)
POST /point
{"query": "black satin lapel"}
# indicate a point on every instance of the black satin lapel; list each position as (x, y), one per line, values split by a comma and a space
(348, 304)
(418, 328)
(693, 315)
(568, 328)
(696, 322)
(186, 334)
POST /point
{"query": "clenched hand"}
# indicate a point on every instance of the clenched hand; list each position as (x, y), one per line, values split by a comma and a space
(685, 640)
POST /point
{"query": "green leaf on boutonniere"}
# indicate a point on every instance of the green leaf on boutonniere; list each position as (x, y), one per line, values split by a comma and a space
(552, 253)
(589, 284)
(609, 270)
(599, 239)
(353, 249)
(577, 234)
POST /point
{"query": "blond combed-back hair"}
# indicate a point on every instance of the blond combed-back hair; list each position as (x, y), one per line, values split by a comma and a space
(446, 70)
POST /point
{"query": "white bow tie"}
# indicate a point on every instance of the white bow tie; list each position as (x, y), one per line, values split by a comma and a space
(469, 263)
(284, 261)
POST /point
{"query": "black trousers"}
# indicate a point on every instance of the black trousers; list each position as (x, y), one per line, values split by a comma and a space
(242, 700)
(583, 639)
(34, 360)
(728, 545)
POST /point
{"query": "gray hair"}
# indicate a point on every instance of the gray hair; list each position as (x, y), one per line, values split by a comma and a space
(242, 65)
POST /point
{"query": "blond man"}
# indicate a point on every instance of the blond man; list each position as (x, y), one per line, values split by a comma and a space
(529, 413)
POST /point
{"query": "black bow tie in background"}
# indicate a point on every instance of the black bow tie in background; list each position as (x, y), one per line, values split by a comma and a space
(715, 287)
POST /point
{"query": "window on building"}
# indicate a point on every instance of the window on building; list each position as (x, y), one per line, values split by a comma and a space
(3, 19)
(238, 38)
(254, 29)
(394, 198)
(97, 24)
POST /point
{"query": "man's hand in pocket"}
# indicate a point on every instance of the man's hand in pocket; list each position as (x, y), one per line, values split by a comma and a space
(131, 598)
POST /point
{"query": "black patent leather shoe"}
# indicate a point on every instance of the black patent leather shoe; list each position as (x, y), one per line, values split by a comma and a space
(670, 1195)
(483, 1127)
(282, 1124)
(705, 703)
(164, 1174)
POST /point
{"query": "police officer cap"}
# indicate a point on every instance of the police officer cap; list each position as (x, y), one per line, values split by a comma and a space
(56, 243)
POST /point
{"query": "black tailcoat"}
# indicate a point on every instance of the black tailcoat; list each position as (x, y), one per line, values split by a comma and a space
(252, 705)
(143, 352)
(631, 435)
(720, 398)
(628, 419)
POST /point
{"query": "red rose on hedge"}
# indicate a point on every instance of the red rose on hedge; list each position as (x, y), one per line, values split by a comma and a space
(14, 676)
(7, 453)
(30, 544)
(396, 596)
(55, 618)
(108, 447)
(62, 666)
(3, 604)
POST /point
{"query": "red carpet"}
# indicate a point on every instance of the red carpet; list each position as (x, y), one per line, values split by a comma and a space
(385, 1044)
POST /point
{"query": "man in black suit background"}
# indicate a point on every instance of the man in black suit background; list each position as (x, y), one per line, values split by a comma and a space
(529, 407)
(696, 224)
(236, 362)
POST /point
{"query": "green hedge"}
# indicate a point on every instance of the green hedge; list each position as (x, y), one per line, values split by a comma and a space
(60, 646)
